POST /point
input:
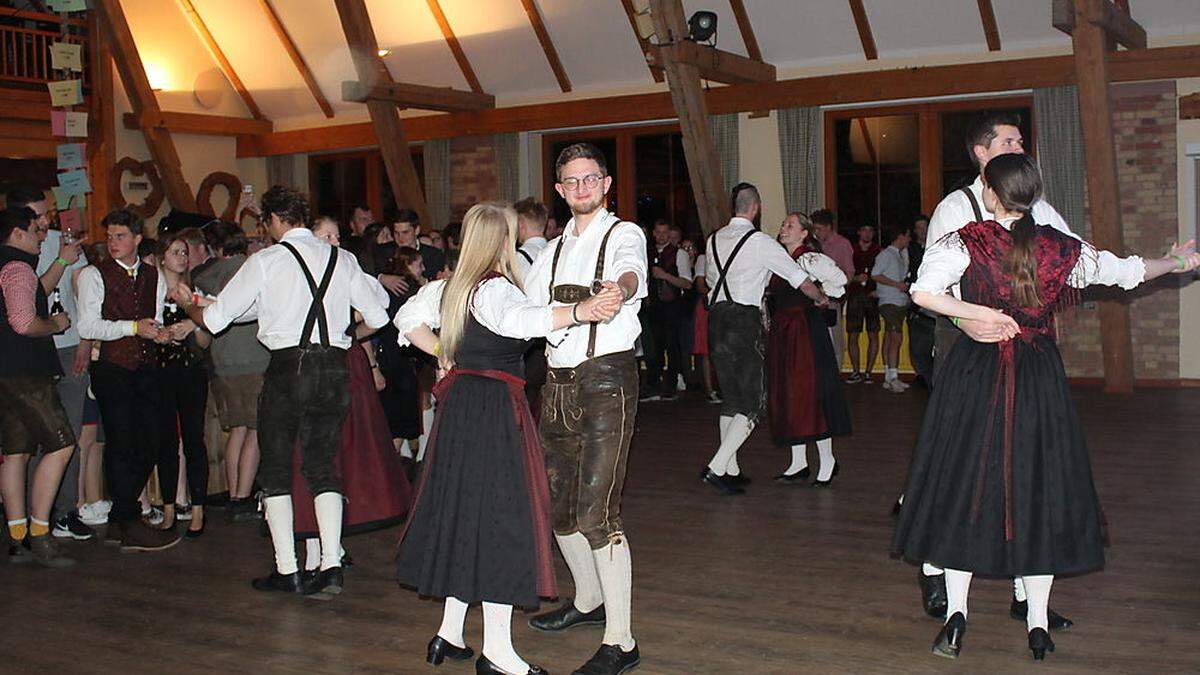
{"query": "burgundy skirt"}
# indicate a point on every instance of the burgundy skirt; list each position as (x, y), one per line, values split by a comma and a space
(805, 396)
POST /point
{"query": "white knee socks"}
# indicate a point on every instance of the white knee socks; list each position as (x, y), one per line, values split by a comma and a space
(1019, 589)
(799, 459)
(731, 467)
(616, 579)
(312, 554)
(825, 451)
(279, 519)
(958, 586)
(427, 425)
(454, 615)
(1038, 589)
(931, 570)
(738, 431)
(497, 638)
(328, 506)
(578, 553)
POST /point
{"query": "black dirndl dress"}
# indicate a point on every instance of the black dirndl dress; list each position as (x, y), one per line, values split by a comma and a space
(1000, 482)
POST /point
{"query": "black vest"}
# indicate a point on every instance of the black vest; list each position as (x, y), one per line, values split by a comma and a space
(21, 355)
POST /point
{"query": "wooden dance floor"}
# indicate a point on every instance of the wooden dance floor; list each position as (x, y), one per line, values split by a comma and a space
(785, 579)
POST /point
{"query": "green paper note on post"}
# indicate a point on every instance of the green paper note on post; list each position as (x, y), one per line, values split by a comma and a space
(66, 200)
(74, 182)
(66, 92)
(66, 5)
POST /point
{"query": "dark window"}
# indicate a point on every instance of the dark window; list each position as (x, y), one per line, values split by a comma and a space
(878, 171)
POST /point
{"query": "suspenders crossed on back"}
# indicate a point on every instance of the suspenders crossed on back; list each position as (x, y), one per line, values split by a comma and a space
(723, 284)
(316, 311)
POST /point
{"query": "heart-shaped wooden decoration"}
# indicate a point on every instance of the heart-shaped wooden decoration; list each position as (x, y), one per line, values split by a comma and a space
(149, 207)
(232, 185)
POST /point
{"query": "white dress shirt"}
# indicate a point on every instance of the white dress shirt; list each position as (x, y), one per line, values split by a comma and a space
(66, 290)
(759, 258)
(823, 270)
(91, 297)
(947, 259)
(498, 306)
(532, 248)
(567, 348)
(271, 286)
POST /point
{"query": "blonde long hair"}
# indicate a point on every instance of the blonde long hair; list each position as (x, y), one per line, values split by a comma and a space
(489, 235)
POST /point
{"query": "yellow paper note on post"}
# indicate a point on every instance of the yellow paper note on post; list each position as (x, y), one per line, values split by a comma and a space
(66, 56)
(66, 92)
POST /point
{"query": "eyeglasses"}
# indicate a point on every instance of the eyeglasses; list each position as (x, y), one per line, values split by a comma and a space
(589, 181)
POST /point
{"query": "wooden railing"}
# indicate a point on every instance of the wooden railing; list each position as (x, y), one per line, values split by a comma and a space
(25, 39)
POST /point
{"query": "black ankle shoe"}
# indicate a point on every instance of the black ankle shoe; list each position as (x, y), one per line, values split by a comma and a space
(827, 483)
(1019, 608)
(949, 640)
(485, 667)
(325, 583)
(440, 649)
(276, 582)
(566, 617)
(720, 483)
(933, 594)
(610, 660)
(740, 480)
(1040, 643)
(801, 475)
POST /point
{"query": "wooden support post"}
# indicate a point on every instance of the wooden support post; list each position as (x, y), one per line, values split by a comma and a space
(687, 95)
(1089, 39)
(141, 97)
(101, 141)
(385, 116)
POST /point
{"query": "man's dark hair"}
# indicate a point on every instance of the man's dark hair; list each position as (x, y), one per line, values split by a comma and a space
(452, 232)
(983, 130)
(532, 209)
(920, 217)
(290, 205)
(147, 246)
(360, 207)
(22, 195)
(232, 242)
(822, 217)
(15, 218)
(394, 216)
(580, 151)
(126, 218)
(890, 234)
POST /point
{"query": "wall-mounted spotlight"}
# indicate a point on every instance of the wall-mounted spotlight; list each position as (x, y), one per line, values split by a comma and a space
(702, 26)
(384, 53)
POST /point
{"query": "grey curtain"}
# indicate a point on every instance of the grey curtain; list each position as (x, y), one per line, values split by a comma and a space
(724, 130)
(799, 153)
(436, 155)
(281, 170)
(1060, 143)
(508, 171)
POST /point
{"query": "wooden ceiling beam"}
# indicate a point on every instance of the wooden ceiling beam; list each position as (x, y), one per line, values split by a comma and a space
(452, 41)
(746, 29)
(141, 99)
(987, 15)
(1160, 63)
(210, 42)
(712, 63)
(543, 36)
(1116, 24)
(293, 52)
(385, 116)
(863, 24)
(418, 96)
(192, 123)
(645, 45)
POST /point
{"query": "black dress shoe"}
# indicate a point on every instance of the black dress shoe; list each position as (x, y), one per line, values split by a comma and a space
(326, 582)
(196, 534)
(1040, 643)
(1020, 608)
(801, 475)
(827, 483)
(933, 594)
(610, 660)
(740, 480)
(949, 640)
(283, 583)
(720, 483)
(565, 617)
(440, 649)
(485, 667)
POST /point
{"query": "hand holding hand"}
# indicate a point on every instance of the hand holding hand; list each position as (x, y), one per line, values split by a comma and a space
(600, 307)
(179, 331)
(1186, 255)
(149, 329)
(992, 326)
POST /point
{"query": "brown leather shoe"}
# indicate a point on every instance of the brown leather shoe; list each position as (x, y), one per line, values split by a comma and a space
(46, 553)
(114, 532)
(138, 536)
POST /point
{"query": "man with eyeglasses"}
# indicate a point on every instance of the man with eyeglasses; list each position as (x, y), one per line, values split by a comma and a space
(590, 403)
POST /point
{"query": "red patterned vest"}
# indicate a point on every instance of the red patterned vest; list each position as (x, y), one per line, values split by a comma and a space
(666, 259)
(127, 299)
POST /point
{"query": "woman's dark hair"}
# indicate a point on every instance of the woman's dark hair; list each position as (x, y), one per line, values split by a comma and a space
(402, 262)
(1018, 185)
(367, 257)
(148, 246)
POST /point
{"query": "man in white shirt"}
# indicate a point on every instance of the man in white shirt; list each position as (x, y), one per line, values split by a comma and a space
(590, 404)
(890, 273)
(664, 311)
(531, 233)
(991, 135)
(739, 261)
(302, 291)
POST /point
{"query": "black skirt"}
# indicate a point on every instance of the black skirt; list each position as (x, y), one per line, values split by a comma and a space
(963, 508)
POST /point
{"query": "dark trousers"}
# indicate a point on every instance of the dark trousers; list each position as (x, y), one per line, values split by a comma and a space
(127, 399)
(304, 399)
(737, 347)
(663, 319)
(586, 425)
(920, 344)
(945, 333)
(184, 397)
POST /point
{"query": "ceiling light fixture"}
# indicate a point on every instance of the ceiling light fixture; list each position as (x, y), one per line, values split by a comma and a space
(384, 53)
(702, 26)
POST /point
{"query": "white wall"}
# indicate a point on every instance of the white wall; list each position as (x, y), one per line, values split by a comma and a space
(760, 164)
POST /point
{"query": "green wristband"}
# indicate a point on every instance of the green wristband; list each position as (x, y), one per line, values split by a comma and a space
(954, 320)
(62, 262)
(1182, 262)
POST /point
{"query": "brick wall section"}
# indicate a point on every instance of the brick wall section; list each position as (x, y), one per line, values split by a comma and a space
(472, 173)
(1144, 123)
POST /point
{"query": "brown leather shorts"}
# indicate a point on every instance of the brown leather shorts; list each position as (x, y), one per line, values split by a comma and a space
(32, 418)
(586, 425)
